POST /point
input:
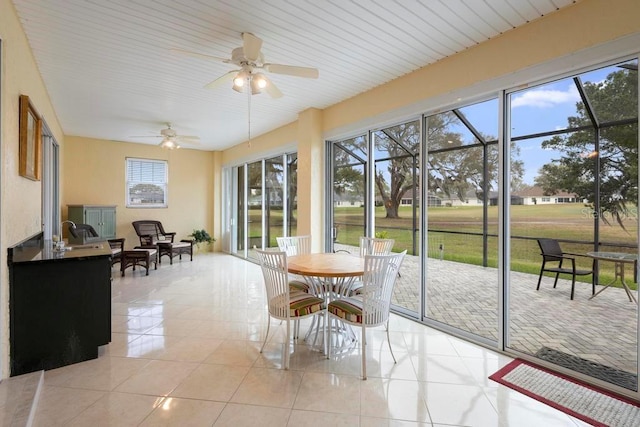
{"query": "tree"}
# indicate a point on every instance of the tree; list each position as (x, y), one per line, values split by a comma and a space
(349, 162)
(147, 193)
(612, 100)
(460, 172)
(349, 182)
(399, 144)
(454, 172)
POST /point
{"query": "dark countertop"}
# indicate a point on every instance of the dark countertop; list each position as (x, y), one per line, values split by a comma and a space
(21, 254)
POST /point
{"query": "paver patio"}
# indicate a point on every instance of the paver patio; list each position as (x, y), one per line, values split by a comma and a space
(465, 296)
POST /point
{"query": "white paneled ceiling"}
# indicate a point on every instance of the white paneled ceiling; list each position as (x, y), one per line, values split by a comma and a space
(111, 74)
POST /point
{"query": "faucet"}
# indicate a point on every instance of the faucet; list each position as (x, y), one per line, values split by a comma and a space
(58, 243)
(70, 222)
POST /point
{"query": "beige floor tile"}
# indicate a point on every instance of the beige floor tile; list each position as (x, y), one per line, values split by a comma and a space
(165, 311)
(330, 393)
(396, 399)
(196, 333)
(157, 378)
(301, 356)
(213, 329)
(238, 415)
(126, 309)
(58, 405)
(212, 382)
(386, 422)
(174, 327)
(442, 369)
(313, 419)
(104, 373)
(269, 387)
(147, 346)
(380, 364)
(460, 405)
(191, 349)
(17, 395)
(116, 409)
(175, 412)
(482, 368)
(136, 325)
(516, 409)
(235, 353)
(421, 343)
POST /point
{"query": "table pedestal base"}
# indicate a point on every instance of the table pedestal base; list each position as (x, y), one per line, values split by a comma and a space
(343, 338)
(619, 273)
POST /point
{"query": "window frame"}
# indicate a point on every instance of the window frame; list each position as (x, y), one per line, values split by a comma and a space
(129, 182)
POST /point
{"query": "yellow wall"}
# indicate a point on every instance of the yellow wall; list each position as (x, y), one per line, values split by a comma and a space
(583, 25)
(95, 174)
(284, 135)
(20, 198)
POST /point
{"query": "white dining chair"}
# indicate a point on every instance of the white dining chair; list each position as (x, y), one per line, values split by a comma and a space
(372, 306)
(296, 245)
(283, 304)
(371, 246)
(375, 246)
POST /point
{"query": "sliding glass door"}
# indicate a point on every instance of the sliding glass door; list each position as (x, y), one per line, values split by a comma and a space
(462, 214)
(263, 201)
(374, 178)
(576, 140)
(349, 197)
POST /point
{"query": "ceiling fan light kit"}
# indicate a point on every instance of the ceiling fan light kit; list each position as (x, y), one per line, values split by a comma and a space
(257, 82)
(170, 138)
(169, 143)
(251, 62)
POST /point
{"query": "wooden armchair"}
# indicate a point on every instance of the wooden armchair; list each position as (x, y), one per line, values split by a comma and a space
(152, 235)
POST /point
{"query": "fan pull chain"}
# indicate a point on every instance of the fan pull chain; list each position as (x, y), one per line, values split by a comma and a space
(249, 114)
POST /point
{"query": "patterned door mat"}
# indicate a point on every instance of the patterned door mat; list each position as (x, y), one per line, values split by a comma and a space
(595, 370)
(582, 401)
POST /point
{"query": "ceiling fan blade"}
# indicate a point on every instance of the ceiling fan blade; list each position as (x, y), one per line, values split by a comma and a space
(272, 89)
(225, 78)
(307, 72)
(251, 46)
(199, 55)
(145, 136)
(189, 139)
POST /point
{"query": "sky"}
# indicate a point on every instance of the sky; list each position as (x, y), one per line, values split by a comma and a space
(537, 109)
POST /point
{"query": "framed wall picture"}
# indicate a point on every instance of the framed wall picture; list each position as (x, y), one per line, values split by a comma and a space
(30, 144)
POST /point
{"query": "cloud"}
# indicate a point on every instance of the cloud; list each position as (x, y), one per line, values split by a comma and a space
(545, 98)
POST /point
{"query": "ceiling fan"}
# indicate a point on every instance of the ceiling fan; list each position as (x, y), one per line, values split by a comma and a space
(252, 64)
(170, 138)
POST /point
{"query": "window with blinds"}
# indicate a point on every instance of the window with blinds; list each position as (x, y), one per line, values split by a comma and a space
(146, 183)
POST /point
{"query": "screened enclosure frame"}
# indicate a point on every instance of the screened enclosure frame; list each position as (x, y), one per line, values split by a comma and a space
(595, 123)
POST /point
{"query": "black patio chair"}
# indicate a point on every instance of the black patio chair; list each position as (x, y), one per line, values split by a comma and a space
(552, 253)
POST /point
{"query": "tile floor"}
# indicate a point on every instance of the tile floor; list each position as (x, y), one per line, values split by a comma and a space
(185, 351)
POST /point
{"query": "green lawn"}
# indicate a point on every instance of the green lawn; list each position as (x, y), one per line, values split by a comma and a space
(561, 221)
(450, 227)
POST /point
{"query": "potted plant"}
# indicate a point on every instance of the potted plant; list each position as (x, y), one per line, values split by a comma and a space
(201, 237)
